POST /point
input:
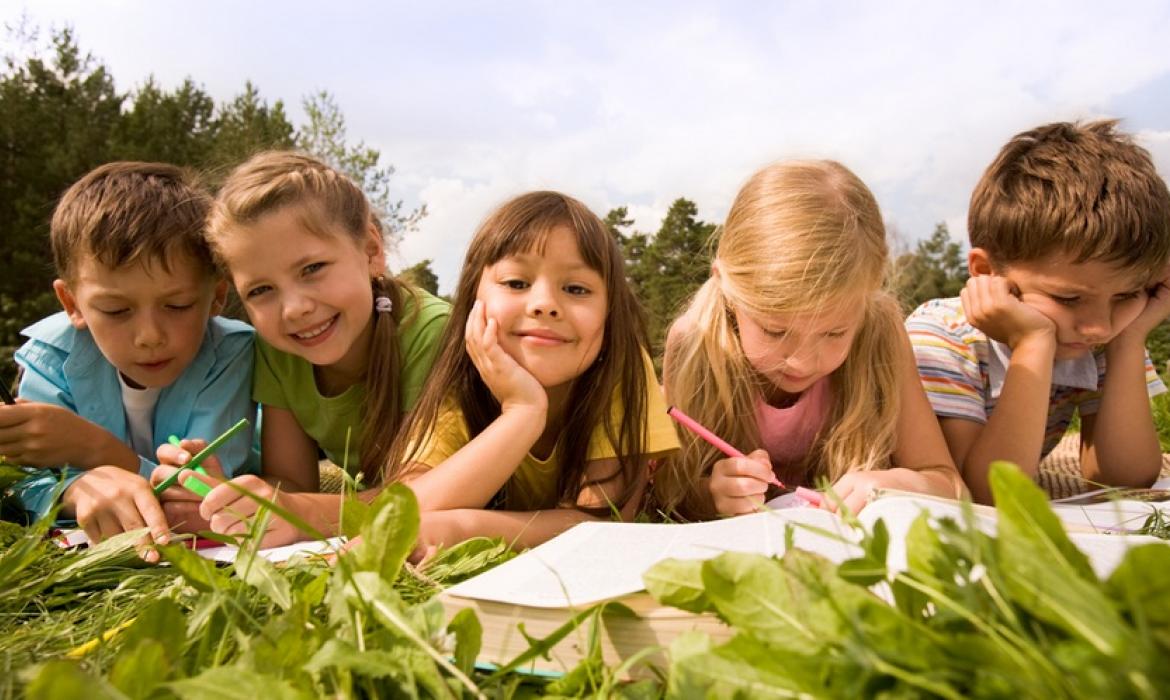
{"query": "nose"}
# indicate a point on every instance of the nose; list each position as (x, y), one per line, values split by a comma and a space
(149, 332)
(542, 300)
(1095, 326)
(295, 306)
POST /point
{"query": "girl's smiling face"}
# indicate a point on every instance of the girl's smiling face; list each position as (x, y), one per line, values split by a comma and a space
(550, 306)
(307, 294)
(793, 351)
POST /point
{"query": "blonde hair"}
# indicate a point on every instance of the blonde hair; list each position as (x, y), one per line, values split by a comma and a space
(273, 180)
(801, 237)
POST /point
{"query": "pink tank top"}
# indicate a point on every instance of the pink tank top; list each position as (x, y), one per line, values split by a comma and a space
(788, 433)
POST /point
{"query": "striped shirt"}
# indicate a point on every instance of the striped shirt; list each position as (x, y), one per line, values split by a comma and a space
(953, 362)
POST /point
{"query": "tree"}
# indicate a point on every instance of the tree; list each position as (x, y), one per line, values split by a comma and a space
(936, 269)
(633, 246)
(673, 265)
(422, 276)
(177, 127)
(57, 117)
(247, 125)
(324, 136)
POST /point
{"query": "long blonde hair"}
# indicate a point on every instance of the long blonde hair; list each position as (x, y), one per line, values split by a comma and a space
(272, 180)
(801, 236)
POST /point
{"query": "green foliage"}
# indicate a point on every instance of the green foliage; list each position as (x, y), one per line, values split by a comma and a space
(1018, 614)
(422, 276)
(666, 269)
(61, 115)
(936, 269)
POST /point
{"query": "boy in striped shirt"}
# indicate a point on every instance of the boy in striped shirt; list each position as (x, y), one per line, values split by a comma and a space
(1070, 238)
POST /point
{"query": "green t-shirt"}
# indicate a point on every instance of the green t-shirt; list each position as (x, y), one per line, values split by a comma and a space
(286, 381)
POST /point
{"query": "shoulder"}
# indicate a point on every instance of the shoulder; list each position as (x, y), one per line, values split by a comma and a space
(229, 336)
(943, 321)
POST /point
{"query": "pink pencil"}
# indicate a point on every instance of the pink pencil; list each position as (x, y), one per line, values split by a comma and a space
(720, 444)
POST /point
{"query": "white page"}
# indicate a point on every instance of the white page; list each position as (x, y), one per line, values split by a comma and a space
(598, 561)
(228, 553)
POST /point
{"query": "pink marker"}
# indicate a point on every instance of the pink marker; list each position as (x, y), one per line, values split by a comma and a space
(720, 444)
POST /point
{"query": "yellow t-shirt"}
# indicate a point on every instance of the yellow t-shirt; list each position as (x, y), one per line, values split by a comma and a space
(533, 485)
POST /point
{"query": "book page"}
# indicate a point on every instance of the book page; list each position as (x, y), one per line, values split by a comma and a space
(276, 555)
(598, 561)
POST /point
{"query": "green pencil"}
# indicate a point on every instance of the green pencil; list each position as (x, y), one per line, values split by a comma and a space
(203, 454)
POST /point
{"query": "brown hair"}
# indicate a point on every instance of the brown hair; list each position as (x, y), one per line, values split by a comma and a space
(522, 224)
(1085, 190)
(126, 212)
(800, 237)
(273, 180)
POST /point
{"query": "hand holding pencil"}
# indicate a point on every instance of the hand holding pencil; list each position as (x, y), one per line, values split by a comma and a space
(739, 483)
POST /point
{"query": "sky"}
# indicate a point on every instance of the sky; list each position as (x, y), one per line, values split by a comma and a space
(638, 104)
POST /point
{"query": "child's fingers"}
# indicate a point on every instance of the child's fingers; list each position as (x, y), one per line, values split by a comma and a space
(183, 516)
(152, 516)
(168, 454)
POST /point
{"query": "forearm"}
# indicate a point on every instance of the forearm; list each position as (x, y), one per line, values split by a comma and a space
(1124, 440)
(470, 477)
(1015, 429)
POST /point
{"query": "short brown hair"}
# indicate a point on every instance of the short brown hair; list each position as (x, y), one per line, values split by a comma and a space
(1086, 190)
(125, 212)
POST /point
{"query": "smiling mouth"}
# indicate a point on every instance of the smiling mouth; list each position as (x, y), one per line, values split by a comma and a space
(543, 337)
(315, 331)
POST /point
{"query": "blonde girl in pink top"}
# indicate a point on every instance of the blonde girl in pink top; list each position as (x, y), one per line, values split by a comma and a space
(794, 350)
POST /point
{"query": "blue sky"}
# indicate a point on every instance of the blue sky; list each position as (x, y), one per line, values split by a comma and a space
(640, 103)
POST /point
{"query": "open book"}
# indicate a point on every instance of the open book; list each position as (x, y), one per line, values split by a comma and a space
(602, 561)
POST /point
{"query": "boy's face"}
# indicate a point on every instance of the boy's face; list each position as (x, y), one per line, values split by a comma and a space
(1090, 302)
(148, 322)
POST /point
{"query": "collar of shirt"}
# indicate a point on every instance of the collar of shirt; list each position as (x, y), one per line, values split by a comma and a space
(1078, 372)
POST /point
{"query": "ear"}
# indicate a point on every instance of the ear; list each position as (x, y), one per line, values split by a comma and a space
(69, 303)
(979, 262)
(219, 298)
(375, 249)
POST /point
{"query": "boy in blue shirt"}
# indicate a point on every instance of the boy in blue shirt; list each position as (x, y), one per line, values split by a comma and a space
(138, 354)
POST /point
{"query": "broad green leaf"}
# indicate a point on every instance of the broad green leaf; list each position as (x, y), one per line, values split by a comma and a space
(141, 668)
(678, 582)
(160, 621)
(65, 679)
(354, 512)
(372, 663)
(1141, 584)
(235, 683)
(259, 573)
(744, 668)
(1044, 571)
(199, 572)
(388, 536)
(468, 634)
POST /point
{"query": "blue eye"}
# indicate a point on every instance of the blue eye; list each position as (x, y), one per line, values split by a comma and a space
(312, 267)
(257, 291)
(115, 312)
(180, 307)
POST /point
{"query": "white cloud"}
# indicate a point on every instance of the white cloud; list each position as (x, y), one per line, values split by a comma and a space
(636, 105)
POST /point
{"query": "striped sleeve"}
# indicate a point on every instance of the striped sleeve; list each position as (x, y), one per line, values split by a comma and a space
(948, 364)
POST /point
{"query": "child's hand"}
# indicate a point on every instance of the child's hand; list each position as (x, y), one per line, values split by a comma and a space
(512, 385)
(856, 489)
(1156, 310)
(108, 500)
(436, 528)
(229, 512)
(180, 504)
(738, 484)
(995, 308)
(47, 435)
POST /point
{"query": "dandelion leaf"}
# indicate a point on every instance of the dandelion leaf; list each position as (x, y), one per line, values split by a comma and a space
(388, 536)
(678, 582)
